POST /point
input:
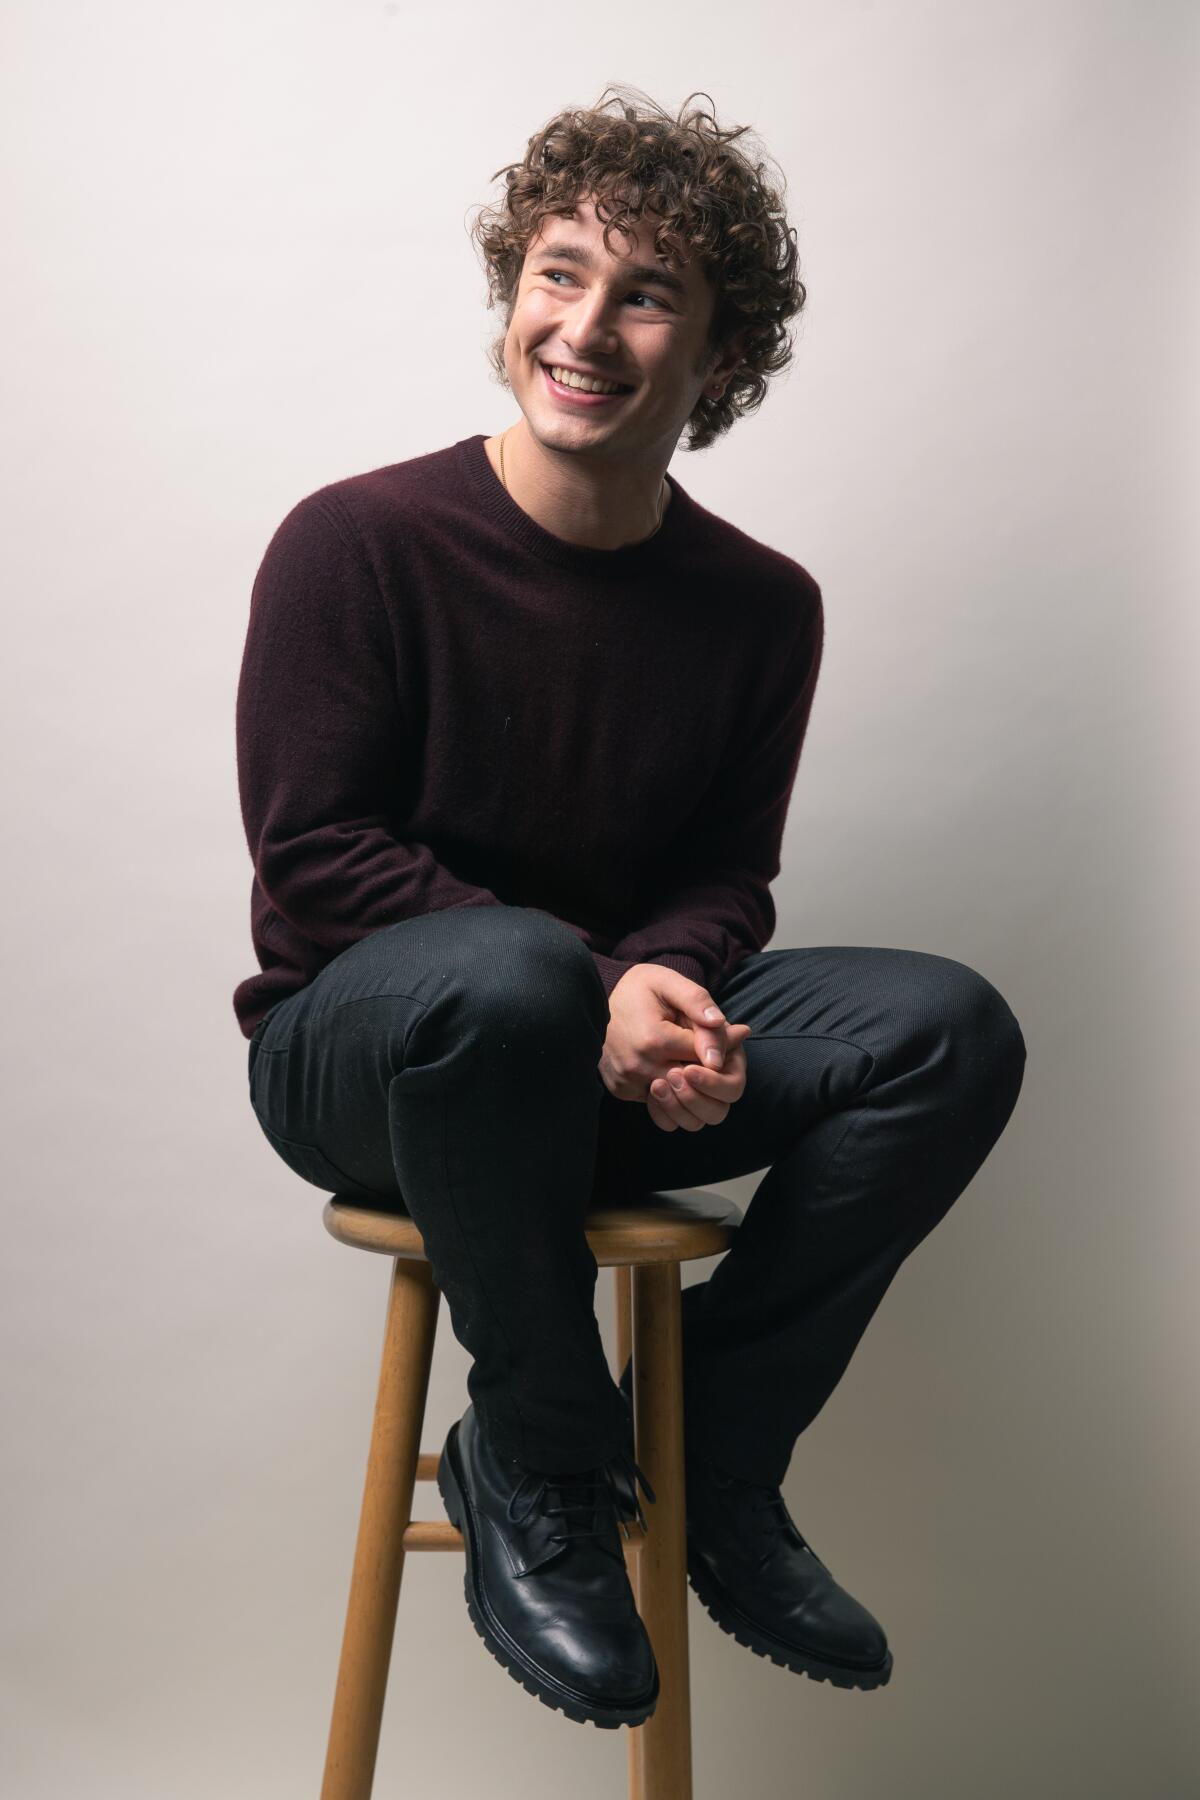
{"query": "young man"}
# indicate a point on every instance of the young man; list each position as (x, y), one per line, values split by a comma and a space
(518, 726)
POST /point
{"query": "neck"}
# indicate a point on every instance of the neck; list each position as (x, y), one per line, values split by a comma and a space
(597, 506)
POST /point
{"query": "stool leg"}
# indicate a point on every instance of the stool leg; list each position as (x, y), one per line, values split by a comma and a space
(386, 1511)
(623, 1282)
(660, 1751)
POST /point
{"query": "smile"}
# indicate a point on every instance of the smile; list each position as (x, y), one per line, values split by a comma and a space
(579, 396)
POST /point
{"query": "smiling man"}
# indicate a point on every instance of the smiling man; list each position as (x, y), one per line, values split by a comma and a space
(519, 722)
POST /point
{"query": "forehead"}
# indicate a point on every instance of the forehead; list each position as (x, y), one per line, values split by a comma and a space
(580, 240)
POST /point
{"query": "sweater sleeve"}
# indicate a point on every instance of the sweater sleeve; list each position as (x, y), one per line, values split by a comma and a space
(322, 755)
(715, 908)
(611, 969)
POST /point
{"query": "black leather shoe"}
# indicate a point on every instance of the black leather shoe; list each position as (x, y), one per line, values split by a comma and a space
(764, 1584)
(546, 1583)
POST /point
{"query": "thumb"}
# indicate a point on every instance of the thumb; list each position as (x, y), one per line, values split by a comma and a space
(694, 1003)
(687, 996)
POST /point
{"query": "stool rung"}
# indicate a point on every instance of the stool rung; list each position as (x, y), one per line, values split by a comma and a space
(432, 1534)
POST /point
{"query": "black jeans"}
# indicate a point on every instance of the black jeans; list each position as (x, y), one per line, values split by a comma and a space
(451, 1062)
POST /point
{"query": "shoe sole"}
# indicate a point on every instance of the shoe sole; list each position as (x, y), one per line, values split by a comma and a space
(582, 1708)
(747, 1631)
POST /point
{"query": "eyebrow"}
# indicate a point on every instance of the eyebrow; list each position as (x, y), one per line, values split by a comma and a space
(646, 273)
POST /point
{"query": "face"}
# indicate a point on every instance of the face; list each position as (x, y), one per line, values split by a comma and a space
(623, 315)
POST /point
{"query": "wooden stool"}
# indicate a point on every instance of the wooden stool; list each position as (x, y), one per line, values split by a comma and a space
(644, 1243)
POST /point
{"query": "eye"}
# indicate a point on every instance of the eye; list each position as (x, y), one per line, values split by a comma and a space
(636, 295)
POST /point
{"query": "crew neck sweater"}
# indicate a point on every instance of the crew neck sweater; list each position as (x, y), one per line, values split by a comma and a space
(442, 704)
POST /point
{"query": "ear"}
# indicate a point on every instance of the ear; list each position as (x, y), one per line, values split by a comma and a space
(722, 372)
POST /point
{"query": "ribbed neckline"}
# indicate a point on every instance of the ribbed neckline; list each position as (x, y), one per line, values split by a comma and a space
(499, 505)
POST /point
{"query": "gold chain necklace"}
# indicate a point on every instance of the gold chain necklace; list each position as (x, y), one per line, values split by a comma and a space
(662, 495)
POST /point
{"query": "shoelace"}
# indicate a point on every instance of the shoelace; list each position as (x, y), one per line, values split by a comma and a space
(769, 1500)
(600, 1490)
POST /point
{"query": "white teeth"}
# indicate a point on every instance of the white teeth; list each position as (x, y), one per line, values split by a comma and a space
(568, 378)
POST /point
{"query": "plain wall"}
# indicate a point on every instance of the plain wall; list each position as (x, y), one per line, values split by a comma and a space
(237, 267)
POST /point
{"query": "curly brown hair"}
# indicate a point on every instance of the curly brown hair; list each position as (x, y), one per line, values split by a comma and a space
(713, 204)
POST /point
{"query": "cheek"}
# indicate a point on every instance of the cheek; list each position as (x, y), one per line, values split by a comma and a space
(532, 315)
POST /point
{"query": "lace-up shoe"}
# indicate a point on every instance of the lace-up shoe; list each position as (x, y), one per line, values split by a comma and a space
(546, 1583)
(764, 1584)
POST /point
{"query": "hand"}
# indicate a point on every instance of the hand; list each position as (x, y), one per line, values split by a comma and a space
(702, 1096)
(658, 1028)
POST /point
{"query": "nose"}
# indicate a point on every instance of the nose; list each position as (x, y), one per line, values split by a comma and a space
(590, 328)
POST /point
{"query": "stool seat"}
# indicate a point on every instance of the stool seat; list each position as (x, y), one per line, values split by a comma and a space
(675, 1226)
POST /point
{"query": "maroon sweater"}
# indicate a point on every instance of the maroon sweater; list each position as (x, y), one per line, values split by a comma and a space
(441, 704)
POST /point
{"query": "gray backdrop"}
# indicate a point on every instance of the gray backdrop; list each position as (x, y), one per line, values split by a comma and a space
(238, 268)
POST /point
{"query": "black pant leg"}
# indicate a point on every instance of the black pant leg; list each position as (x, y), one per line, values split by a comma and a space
(451, 1061)
(878, 1081)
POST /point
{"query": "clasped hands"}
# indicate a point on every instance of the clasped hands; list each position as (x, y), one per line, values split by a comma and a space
(669, 1044)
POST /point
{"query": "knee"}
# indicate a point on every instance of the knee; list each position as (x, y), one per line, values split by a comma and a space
(986, 1042)
(522, 965)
